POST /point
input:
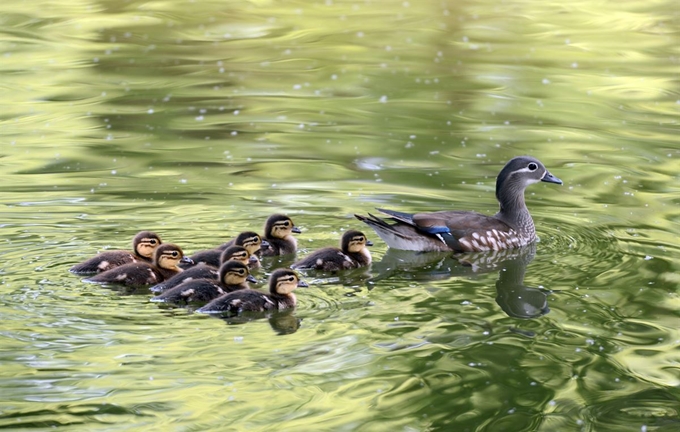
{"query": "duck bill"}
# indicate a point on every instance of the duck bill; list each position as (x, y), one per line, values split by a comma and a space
(303, 284)
(187, 260)
(549, 178)
(369, 243)
(264, 244)
(296, 230)
(251, 279)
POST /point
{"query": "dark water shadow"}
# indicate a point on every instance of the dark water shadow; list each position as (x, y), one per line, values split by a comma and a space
(512, 295)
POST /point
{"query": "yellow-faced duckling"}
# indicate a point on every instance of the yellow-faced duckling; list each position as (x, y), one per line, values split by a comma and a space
(165, 260)
(233, 276)
(248, 239)
(352, 254)
(282, 282)
(143, 246)
(277, 232)
(240, 253)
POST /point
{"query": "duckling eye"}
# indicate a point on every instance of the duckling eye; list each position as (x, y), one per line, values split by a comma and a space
(174, 254)
(532, 167)
(152, 241)
(286, 224)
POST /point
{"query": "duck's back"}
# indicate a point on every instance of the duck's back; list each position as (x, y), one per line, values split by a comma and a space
(133, 274)
(247, 300)
(192, 291)
(106, 260)
(326, 259)
(200, 271)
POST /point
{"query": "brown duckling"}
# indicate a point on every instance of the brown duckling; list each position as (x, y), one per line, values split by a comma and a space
(282, 282)
(277, 231)
(351, 254)
(248, 239)
(233, 276)
(165, 260)
(143, 246)
(240, 253)
(204, 271)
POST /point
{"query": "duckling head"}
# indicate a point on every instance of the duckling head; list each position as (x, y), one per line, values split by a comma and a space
(145, 243)
(284, 281)
(251, 241)
(235, 253)
(280, 226)
(235, 273)
(168, 255)
(354, 241)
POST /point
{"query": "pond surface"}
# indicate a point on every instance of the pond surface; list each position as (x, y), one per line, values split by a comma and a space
(199, 119)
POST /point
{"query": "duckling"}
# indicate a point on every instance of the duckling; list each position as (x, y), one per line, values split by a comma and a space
(165, 260)
(277, 231)
(203, 271)
(239, 253)
(233, 276)
(352, 254)
(143, 246)
(282, 282)
(248, 239)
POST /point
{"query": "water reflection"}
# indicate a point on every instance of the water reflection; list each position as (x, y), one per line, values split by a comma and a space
(283, 322)
(515, 299)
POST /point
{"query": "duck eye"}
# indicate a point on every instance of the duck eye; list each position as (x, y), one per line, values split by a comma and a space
(532, 167)
(286, 223)
(174, 254)
(152, 241)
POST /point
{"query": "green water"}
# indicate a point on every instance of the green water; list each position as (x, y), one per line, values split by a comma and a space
(198, 119)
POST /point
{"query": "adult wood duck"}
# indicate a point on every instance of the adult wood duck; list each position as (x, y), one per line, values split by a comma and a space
(282, 282)
(143, 246)
(351, 254)
(466, 231)
(233, 276)
(278, 233)
(165, 260)
(247, 239)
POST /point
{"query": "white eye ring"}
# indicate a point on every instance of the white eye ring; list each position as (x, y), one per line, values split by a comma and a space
(532, 166)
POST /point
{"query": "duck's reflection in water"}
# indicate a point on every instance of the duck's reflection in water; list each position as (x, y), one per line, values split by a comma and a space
(282, 322)
(514, 298)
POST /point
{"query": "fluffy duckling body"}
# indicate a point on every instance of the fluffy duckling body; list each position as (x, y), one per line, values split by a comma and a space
(143, 246)
(278, 232)
(282, 282)
(351, 254)
(166, 258)
(247, 239)
(233, 276)
(201, 271)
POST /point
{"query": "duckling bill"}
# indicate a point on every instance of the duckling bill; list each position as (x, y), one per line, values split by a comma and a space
(143, 246)
(351, 254)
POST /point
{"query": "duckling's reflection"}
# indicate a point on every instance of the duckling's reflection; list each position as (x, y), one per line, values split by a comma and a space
(514, 298)
(282, 322)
